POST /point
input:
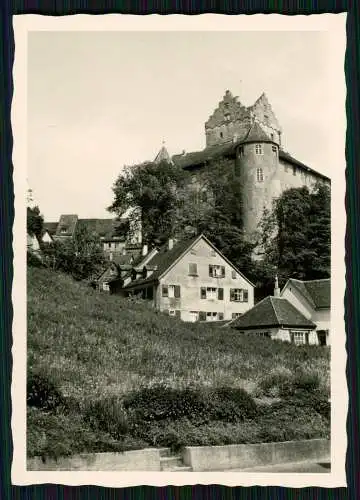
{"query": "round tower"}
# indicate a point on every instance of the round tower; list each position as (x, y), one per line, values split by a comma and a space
(257, 159)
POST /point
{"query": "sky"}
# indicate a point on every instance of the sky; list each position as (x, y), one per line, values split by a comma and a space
(100, 100)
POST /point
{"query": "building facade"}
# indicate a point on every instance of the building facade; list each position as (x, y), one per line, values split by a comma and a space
(192, 280)
(248, 140)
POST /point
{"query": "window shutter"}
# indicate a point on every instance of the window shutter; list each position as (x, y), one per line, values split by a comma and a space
(245, 296)
(292, 337)
(192, 269)
(177, 291)
(223, 271)
(203, 292)
(177, 314)
(221, 316)
(220, 294)
(165, 292)
(232, 294)
(202, 316)
(211, 270)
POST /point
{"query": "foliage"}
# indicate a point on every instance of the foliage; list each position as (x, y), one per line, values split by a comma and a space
(35, 222)
(152, 188)
(33, 260)
(81, 256)
(42, 392)
(296, 233)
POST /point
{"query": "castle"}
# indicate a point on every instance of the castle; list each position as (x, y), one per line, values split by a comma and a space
(248, 140)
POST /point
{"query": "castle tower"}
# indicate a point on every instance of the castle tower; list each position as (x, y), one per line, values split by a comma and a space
(257, 164)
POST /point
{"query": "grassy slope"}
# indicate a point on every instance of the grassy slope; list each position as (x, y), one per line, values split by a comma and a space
(94, 345)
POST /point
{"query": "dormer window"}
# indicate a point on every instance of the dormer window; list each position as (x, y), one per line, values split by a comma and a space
(258, 149)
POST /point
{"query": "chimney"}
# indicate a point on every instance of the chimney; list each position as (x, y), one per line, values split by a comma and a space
(144, 250)
(276, 289)
(170, 244)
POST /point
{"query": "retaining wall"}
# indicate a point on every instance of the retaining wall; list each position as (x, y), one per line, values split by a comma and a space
(216, 458)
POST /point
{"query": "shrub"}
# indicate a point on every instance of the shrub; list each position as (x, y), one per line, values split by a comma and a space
(232, 404)
(42, 393)
(107, 415)
(277, 382)
(33, 260)
(161, 402)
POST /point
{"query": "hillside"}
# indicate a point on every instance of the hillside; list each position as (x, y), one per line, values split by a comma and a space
(98, 349)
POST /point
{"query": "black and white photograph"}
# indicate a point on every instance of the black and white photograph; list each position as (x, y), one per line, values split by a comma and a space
(179, 301)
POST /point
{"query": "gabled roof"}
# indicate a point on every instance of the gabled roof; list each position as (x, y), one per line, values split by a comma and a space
(272, 312)
(207, 154)
(50, 227)
(165, 259)
(256, 134)
(67, 225)
(102, 227)
(316, 292)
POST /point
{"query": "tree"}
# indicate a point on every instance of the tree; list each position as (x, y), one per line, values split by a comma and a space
(35, 222)
(80, 256)
(152, 188)
(296, 233)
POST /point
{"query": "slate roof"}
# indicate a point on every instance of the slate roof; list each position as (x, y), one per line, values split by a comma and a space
(272, 312)
(67, 225)
(317, 292)
(200, 157)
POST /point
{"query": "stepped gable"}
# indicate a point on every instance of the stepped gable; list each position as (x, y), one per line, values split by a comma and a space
(272, 312)
(263, 111)
(229, 106)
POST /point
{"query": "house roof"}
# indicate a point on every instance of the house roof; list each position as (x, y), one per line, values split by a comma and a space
(272, 312)
(67, 225)
(166, 258)
(102, 227)
(50, 227)
(316, 292)
(256, 134)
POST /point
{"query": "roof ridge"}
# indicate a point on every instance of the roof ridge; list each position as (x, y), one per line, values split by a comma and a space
(272, 305)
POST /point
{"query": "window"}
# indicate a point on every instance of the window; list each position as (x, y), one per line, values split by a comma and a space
(258, 149)
(221, 135)
(193, 269)
(299, 338)
(274, 148)
(221, 316)
(272, 137)
(178, 314)
(216, 271)
(263, 334)
(211, 293)
(239, 295)
(220, 294)
(171, 312)
(294, 170)
(259, 174)
(106, 286)
(235, 315)
(241, 151)
(211, 316)
(171, 291)
(233, 275)
(194, 316)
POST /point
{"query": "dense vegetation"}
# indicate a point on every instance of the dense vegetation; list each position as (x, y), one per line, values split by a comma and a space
(103, 376)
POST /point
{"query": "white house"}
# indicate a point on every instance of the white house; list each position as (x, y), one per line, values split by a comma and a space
(313, 299)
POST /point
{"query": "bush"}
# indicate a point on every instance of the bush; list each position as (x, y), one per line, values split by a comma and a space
(161, 402)
(232, 404)
(42, 393)
(107, 415)
(283, 383)
(33, 260)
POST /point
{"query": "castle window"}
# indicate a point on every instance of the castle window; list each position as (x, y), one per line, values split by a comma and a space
(221, 135)
(260, 175)
(241, 150)
(258, 149)
(294, 170)
(274, 148)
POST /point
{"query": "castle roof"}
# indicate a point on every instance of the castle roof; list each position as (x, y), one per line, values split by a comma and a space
(272, 312)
